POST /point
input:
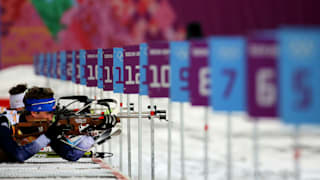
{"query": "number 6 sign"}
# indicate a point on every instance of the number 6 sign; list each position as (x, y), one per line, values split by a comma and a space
(300, 74)
(227, 65)
(262, 76)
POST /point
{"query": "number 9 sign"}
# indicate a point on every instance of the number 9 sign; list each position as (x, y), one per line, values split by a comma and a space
(300, 74)
(179, 62)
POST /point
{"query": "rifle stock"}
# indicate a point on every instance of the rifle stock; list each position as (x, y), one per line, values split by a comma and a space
(73, 125)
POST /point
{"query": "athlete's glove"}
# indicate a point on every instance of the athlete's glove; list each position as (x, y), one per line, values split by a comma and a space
(110, 121)
(54, 131)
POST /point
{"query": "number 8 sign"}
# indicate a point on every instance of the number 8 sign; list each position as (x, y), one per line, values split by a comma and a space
(300, 74)
(227, 65)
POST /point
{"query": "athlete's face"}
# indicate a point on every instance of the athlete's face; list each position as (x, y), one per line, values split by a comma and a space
(43, 115)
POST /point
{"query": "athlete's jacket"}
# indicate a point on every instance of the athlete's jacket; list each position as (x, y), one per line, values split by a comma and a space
(10, 150)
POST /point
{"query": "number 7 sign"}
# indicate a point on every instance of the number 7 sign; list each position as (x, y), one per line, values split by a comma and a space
(227, 66)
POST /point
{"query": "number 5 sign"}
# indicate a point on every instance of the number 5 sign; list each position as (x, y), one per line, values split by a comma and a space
(300, 74)
(262, 76)
(227, 65)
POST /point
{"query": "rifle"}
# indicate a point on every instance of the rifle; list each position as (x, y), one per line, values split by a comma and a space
(86, 120)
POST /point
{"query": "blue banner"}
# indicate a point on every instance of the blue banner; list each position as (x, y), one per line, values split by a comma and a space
(74, 67)
(82, 56)
(227, 67)
(118, 70)
(179, 63)
(100, 68)
(41, 64)
(48, 65)
(54, 65)
(299, 67)
(143, 85)
(63, 65)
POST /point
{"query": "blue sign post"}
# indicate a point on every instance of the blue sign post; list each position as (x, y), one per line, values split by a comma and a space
(100, 68)
(118, 70)
(143, 85)
(63, 65)
(299, 68)
(179, 63)
(82, 56)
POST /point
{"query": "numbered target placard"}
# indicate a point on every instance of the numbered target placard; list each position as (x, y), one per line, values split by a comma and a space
(299, 68)
(54, 65)
(158, 69)
(75, 67)
(41, 64)
(107, 72)
(118, 70)
(262, 77)
(47, 71)
(100, 68)
(131, 69)
(199, 75)
(143, 60)
(82, 56)
(68, 65)
(227, 65)
(91, 68)
(57, 60)
(63, 65)
(36, 64)
(179, 63)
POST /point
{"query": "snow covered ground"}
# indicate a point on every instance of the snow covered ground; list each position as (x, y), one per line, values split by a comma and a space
(275, 140)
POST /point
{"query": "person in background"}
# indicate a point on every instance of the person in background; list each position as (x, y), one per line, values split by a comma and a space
(16, 98)
(194, 30)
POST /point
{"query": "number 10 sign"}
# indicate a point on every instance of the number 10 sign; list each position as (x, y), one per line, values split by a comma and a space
(158, 69)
